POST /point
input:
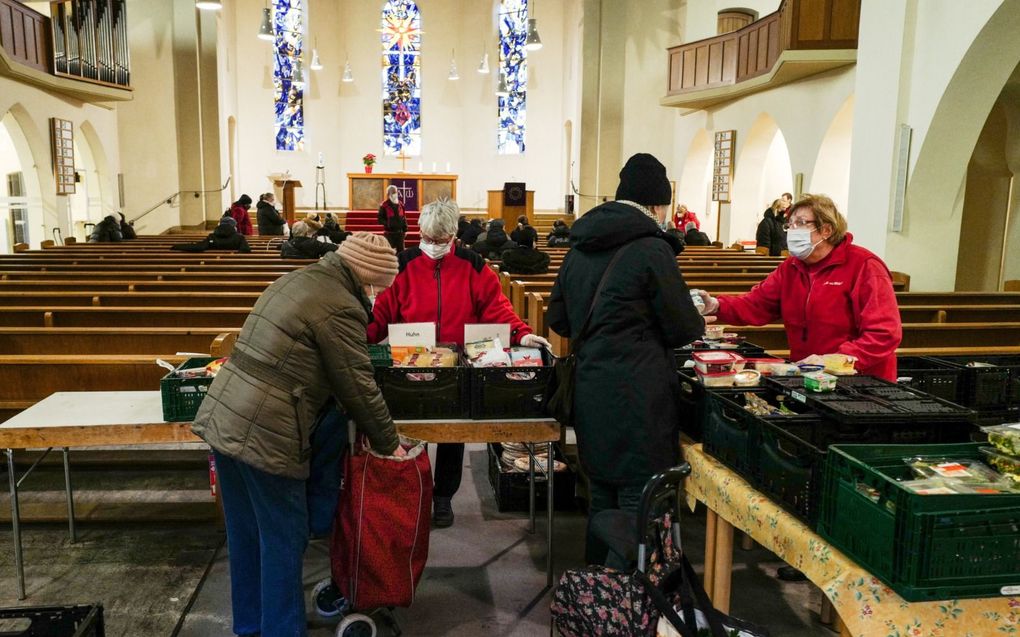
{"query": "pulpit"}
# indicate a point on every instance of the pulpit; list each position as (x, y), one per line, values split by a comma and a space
(287, 186)
(509, 214)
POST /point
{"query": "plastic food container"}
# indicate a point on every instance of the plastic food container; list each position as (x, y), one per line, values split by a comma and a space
(807, 368)
(763, 365)
(716, 361)
(1006, 438)
(714, 332)
(1008, 466)
(720, 379)
(747, 378)
(698, 302)
(785, 369)
(819, 382)
(839, 364)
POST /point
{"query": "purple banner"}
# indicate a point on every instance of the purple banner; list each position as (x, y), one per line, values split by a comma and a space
(408, 189)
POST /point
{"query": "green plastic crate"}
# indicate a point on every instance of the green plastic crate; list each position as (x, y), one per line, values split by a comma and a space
(183, 396)
(380, 355)
(923, 547)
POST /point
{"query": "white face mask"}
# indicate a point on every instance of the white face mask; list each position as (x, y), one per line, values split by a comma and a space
(370, 293)
(395, 198)
(798, 242)
(433, 251)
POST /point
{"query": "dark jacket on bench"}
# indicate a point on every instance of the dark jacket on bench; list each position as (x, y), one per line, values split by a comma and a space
(306, 248)
(224, 237)
(302, 345)
(522, 260)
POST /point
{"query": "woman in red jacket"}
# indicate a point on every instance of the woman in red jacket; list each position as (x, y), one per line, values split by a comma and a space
(683, 216)
(239, 212)
(451, 287)
(833, 297)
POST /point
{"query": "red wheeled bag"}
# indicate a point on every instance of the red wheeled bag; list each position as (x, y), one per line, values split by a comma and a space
(380, 539)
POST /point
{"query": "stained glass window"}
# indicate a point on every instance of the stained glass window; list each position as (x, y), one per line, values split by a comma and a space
(288, 25)
(401, 77)
(513, 64)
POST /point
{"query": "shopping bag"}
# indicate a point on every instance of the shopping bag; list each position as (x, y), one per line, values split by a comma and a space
(380, 540)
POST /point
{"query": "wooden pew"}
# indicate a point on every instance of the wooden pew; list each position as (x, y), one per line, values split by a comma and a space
(86, 341)
(76, 298)
(223, 317)
(113, 275)
(111, 285)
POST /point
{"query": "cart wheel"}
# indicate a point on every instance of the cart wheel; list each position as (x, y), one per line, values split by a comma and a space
(356, 625)
(327, 599)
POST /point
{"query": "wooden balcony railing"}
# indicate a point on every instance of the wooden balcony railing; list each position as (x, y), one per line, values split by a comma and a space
(752, 51)
(25, 35)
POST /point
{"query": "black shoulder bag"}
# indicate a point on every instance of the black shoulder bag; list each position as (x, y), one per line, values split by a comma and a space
(559, 390)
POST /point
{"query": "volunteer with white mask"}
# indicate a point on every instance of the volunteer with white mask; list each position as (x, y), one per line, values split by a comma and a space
(832, 296)
(451, 287)
(391, 218)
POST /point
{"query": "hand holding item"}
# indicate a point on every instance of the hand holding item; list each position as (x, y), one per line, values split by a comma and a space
(814, 359)
(711, 303)
(399, 452)
(534, 340)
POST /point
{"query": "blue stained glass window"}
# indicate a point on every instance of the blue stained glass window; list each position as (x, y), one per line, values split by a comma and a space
(513, 64)
(288, 25)
(401, 77)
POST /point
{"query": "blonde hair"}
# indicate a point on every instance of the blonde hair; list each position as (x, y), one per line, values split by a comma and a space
(825, 213)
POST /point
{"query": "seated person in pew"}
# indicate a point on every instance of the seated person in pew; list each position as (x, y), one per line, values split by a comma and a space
(331, 229)
(451, 286)
(470, 234)
(107, 230)
(271, 419)
(626, 413)
(303, 243)
(224, 237)
(127, 228)
(832, 296)
(695, 237)
(495, 242)
(522, 228)
(525, 259)
(560, 235)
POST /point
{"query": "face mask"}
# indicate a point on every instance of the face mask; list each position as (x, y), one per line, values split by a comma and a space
(434, 252)
(370, 293)
(394, 198)
(664, 225)
(798, 242)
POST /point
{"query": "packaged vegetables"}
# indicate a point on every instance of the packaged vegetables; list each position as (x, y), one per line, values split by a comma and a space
(1005, 438)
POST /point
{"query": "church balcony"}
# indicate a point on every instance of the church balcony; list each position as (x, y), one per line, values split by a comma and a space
(81, 52)
(800, 39)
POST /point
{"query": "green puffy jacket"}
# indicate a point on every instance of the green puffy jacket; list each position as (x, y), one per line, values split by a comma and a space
(303, 343)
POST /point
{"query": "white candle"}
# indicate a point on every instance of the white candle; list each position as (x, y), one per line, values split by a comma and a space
(447, 166)
(421, 167)
(433, 167)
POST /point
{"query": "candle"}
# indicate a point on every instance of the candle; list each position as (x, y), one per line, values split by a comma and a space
(433, 167)
(421, 167)
(447, 166)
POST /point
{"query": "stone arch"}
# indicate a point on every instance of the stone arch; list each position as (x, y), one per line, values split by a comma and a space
(695, 187)
(831, 175)
(32, 152)
(93, 146)
(763, 172)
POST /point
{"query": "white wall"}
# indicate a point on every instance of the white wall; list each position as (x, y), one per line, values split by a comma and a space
(344, 120)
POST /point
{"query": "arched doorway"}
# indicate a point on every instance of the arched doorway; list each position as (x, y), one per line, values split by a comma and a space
(695, 187)
(21, 219)
(763, 174)
(831, 175)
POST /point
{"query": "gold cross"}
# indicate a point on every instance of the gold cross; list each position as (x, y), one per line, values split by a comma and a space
(403, 161)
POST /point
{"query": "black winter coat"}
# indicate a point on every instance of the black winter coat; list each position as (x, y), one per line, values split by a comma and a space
(771, 234)
(127, 231)
(559, 237)
(626, 413)
(223, 237)
(470, 234)
(107, 230)
(521, 260)
(270, 221)
(695, 237)
(391, 217)
(494, 245)
(305, 248)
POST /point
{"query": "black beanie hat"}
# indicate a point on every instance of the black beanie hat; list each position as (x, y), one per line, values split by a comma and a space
(643, 180)
(245, 200)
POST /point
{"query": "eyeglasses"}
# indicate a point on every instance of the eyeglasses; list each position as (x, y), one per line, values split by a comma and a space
(435, 242)
(797, 224)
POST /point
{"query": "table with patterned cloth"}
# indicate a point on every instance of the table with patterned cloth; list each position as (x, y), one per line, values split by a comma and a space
(866, 606)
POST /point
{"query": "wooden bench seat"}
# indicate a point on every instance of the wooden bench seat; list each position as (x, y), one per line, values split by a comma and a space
(224, 317)
(81, 341)
(113, 275)
(210, 298)
(32, 378)
(156, 265)
(112, 285)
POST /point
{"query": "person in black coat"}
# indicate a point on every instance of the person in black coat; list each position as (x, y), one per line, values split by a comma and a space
(269, 219)
(224, 237)
(495, 242)
(471, 233)
(127, 228)
(770, 232)
(560, 235)
(107, 230)
(626, 413)
(695, 237)
(391, 218)
(525, 259)
(303, 244)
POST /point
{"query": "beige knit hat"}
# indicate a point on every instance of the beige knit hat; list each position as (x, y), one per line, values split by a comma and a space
(371, 258)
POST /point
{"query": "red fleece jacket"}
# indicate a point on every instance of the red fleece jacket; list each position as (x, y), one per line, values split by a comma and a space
(843, 304)
(451, 292)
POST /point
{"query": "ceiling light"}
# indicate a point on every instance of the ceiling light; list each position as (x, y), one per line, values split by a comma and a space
(316, 65)
(533, 43)
(348, 75)
(483, 68)
(266, 28)
(453, 67)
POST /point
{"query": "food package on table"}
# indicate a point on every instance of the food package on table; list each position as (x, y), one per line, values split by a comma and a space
(839, 364)
(214, 367)
(958, 470)
(932, 486)
(1008, 466)
(526, 357)
(717, 362)
(493, 358)
(1005, 438)
(400, 353)
(431, 359)
(819, 382)
(476, 349)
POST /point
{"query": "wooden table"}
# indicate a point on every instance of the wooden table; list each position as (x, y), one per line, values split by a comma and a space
(90, 419)
(865, 606)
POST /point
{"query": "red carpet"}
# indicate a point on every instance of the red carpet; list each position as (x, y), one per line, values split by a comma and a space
(365, 221)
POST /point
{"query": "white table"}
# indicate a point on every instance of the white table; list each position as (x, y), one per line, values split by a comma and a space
(97, 419)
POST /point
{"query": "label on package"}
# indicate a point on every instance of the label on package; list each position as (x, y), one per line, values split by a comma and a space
(1010, 590)
(796, 395)
(952, 470)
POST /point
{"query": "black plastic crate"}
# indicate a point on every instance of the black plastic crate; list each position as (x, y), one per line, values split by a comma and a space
(509, 392)
(745, 349)
(732, 433)
(992, 388)
(425, 393)
(53, 621)
(931, 376)
(510, 488)
(790, 466)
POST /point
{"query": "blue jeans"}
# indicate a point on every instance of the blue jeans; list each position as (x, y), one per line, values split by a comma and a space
(267, 533)
(329, 443)
(601, 498)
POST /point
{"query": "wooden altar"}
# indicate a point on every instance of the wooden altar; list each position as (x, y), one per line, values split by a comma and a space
(365, 191)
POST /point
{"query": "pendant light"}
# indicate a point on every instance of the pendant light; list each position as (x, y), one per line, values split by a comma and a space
(208, 5)
(348, 75)
(316, 64)
(266, 28)
(453, 76)
(533, 43)
(483, 67)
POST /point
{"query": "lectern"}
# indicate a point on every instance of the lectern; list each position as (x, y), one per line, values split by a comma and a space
(509, 214)
(288, 186)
